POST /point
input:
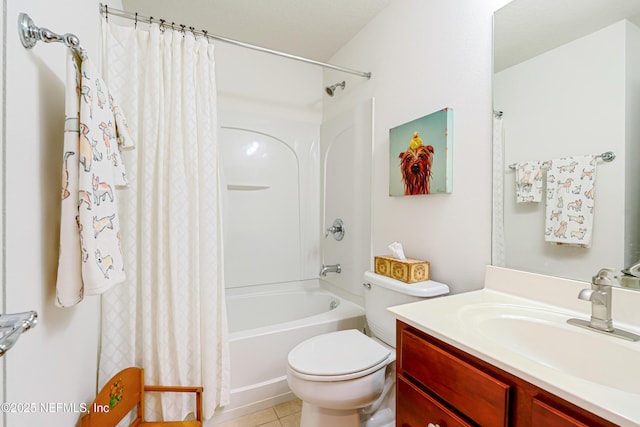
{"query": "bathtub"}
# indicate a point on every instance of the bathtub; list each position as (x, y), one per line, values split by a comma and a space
(265, 323)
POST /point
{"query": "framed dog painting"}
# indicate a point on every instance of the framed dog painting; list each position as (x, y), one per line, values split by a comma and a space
(420, 160)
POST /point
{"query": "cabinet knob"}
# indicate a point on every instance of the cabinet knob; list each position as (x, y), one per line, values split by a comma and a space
(433, 425)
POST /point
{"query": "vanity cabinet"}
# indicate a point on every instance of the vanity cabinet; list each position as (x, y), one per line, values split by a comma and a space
(440, 385)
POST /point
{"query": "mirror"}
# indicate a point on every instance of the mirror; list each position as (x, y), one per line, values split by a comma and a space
(567, 81)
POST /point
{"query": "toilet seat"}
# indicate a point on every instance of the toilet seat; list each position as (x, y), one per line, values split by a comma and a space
(337, 356)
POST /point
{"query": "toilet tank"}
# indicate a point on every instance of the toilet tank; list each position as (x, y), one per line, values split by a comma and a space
(382, 292)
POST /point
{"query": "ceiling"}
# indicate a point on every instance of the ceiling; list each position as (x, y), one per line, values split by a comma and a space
(526, 28)
(315, 29)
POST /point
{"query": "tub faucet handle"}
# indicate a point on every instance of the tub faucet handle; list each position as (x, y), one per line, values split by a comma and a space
(337, 229)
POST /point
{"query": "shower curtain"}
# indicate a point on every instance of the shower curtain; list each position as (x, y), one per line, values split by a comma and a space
(169, 316)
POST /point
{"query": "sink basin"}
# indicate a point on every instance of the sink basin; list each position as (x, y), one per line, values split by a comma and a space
(544, 337)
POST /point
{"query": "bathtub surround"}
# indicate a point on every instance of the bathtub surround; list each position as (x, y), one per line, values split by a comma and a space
(169, 316)
(345, 185)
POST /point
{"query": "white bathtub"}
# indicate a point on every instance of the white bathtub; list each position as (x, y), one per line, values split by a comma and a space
(265, 323)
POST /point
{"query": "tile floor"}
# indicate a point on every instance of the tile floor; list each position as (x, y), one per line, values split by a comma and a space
(286, 414)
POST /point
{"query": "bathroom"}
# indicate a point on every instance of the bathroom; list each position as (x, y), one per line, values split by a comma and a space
(423, 55)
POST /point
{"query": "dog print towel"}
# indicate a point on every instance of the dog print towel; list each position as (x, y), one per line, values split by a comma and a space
(570, 200)
(90, 259)
(529, 181)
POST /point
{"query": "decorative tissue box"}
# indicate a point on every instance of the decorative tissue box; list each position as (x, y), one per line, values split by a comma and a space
(406, 270)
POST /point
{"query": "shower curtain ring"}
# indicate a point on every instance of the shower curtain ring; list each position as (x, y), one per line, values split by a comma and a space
(135, 24)
(162, 27)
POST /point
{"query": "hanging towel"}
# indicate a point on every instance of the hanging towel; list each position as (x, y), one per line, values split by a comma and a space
(570, 200)
(90, 259)
(529, 181)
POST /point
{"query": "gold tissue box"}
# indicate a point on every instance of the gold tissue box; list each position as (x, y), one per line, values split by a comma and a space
(406, 270)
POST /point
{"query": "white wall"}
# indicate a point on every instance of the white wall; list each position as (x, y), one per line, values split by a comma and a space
(57, 361)
(254, 82)
(568, 101)
(424, 56)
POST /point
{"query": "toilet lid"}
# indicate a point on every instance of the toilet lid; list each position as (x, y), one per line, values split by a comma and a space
(337, 353)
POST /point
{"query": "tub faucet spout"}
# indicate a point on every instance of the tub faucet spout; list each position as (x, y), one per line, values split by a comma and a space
(330, 268)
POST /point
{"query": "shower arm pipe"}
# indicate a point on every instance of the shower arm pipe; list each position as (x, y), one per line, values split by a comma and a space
(106, 11)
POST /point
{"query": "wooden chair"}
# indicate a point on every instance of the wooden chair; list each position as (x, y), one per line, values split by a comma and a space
(125, 391)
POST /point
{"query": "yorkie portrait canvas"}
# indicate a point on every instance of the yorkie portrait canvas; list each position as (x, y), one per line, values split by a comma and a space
(420, 160)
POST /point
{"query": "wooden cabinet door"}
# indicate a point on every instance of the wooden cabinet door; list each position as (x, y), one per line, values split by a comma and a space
(548, 416)
(474, 392)
(415, 408)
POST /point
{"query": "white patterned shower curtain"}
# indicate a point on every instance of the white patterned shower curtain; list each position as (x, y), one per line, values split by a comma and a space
(169, 316)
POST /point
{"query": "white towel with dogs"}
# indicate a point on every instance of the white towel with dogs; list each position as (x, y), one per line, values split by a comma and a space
(570, 200)
(529, 181)
(90, 259)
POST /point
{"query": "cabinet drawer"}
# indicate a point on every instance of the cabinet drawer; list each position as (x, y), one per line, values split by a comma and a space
(548, 416)
(478, 395)
(415, 408)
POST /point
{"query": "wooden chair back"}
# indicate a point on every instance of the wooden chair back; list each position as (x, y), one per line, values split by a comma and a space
(125, 391)
(117, 398)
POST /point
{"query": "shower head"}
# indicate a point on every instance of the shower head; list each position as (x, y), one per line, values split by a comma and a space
(331, 90)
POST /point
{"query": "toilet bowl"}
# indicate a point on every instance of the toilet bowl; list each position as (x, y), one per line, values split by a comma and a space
(346, 378)
(337, 374)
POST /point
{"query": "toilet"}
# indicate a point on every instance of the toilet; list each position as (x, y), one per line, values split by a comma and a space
(346, 378)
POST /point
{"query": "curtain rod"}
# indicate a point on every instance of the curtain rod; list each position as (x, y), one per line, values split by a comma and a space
(106, 11)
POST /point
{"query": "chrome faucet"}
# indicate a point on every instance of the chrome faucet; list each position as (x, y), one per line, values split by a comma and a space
(600, 297)
(330, 268)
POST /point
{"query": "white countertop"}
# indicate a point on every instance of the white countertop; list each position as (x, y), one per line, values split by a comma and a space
(444, 319)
